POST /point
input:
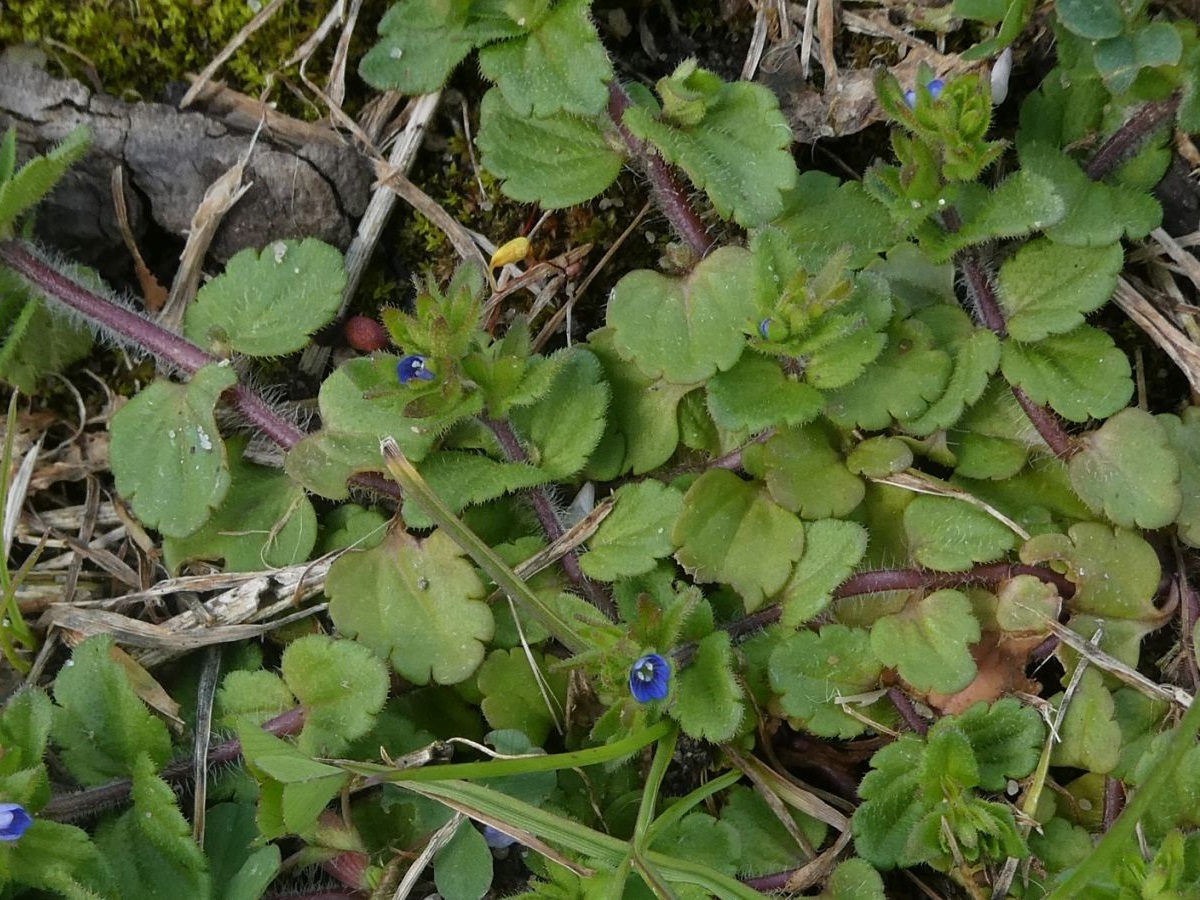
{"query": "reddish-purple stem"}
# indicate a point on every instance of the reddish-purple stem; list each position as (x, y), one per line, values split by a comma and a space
(80, 805)
(907, 711)
(1047, 425)
(1127, 139)
(669, 196)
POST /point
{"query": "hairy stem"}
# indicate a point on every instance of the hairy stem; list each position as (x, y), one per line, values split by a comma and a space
(668, 194)
(82, 805)
(543, 508)
(1128, 139)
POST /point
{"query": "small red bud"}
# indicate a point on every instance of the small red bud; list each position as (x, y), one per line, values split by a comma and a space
(365, 334)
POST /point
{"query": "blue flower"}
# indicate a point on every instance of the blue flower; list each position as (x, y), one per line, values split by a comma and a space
(650, 678)
(14, 821)
(497, 839)
(413, 366)
(764, 328)
(935, 88)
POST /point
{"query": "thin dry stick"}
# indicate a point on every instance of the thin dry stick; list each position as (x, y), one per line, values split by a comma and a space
(231, 48)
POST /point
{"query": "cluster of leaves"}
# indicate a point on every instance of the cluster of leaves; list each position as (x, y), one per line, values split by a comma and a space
(765, 427)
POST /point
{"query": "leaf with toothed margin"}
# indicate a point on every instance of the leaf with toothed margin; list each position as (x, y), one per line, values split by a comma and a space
(708, 702)
(811, 670)
(928, 642)
(804, 473)
(167, 455)
(756, 395)
(1047, 288)
(636, 534)
(949, 535)
(1081, 374)
(832, 548)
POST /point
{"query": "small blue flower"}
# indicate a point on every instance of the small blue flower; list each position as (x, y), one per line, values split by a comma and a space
(935, 88)
(497, 839)
(764, 328)
(14, 821)
(413, 366)
(650, 678)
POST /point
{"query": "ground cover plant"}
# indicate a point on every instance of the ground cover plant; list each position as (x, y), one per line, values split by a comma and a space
(877, 576)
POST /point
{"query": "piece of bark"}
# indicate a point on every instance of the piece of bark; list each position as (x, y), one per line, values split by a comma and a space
(316, 189)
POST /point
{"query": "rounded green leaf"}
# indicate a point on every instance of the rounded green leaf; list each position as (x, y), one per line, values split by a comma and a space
(1092, 19)
(832, 548)
(1184, 437)
(732, 532)
(342, 686)
(756, 395)
(708, 701)
(1047, 287)
(951, 535)
(685, 329)
(167, 456)
(1127, 470)
(636, 533)
(1090, 735)
(811, 670)
(805, 474)
(512, 698)
(462, 870)
(416, 603)
(928, 642)
(1081, 374)
(268, 304)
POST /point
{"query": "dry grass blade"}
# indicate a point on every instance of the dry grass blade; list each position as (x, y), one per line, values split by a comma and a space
(153, 292)
(1183, 352)
(920, 483)
(231, 48)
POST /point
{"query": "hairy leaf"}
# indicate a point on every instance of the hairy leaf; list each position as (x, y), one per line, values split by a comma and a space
(636, 533)
(1091, 738)
(804, 474)
(1005, 737)
(708, 701)
(811, 670)
(565, 425)
(1081, 374)
(951, 535)
(1047, 287)
(341, 685)
(832, 548)
(34, 180)
(756, 395)
(928, 642)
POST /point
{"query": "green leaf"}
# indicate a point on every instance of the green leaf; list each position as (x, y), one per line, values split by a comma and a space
(252, 696)
(1024, 202)
(976, 357)
(643, 426)
(238, 871)
(24, 730)
(1081, 374)
(894, 803)
(811, 670)
(1047, 287)
(150, 848)
(414, 602)
(901, 384)
(37, 178)
(854, 879)
(462, 870)
(1091, 738)
(1115, 572)
(756, 395)
(560, 65)
(636, 533)
(167, 456)
(512, 698)
(832, 548)
(296, 788)
(951, 535)
(462, 479)
(342, 687)
(1126, 470)
(564, 426)
(879, 457)
(1183, 434)
(699, 836)
(738, 152)
(992, 439)
(684, 329)
(1005, 737)
(60, 858)
(556, 161)
(928, 642)
(708, 701)
(268, 305)
(732, 532)
(423, 40)
(100, 723)
(767, 846)
(36, 339)
(804, 474)
(265, 521)
(1092, 19)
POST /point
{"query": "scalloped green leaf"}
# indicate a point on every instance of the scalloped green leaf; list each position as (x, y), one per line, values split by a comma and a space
(99, 721)
(879, 457)
(902, 383)
(707, 701)
(1081, 374)
(894, 803)
(756, 395)
(1127, 470)
(1005, 737)
(855, 879)
(767, 844)
(34, 180)
(1023, 203)
(266, 521)
(558, 65)
(1183, 434)
(1116, 572)
(993, 438)
(684, 329)
(976, 356)
(636, 533)
(166, 856)
(268, 304)
(1092, 19)
(342, 686)
(512, 698)
(167, 455)
(461, 479)
(1090, 735)
(928, 642)
(804, 473)
(738, 152)
(810, 670)
(556, 161)
(732, 532)
(832, 548)
(416, 603)
(1046, 288)
(565, 425)
(951, 535)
